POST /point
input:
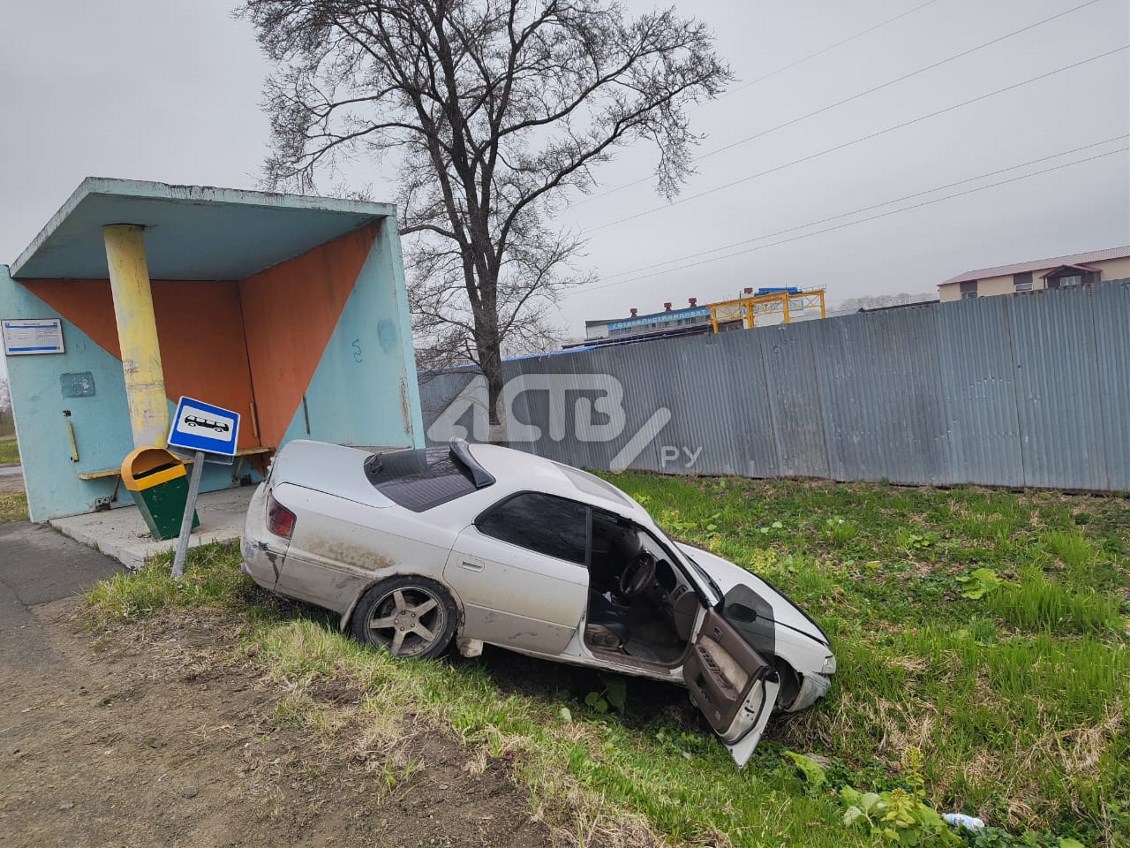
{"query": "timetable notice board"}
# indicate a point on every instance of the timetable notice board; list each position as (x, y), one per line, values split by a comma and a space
(28, 336)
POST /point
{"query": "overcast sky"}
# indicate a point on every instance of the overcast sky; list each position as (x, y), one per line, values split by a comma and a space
(170, 91)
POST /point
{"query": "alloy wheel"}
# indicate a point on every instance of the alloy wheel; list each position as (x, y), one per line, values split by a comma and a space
(408, 621)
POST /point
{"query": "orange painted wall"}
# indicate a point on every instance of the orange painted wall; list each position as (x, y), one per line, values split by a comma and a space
(290, 311)
(199, 328)
(87, 304)
(201, 324)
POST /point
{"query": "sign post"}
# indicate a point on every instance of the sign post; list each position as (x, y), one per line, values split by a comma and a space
(203, 429)
(189, 511)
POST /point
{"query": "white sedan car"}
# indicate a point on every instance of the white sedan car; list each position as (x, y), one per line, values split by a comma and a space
(483, 544)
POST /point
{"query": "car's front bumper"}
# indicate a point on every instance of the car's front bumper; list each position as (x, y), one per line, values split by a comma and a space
(813, 687)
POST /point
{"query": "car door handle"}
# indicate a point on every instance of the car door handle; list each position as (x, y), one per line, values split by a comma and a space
(472, 565)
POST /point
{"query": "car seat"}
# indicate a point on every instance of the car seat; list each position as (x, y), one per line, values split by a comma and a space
(607, 623)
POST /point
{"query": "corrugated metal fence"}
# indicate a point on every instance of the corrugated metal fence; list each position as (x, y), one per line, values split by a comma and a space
(1009, 391)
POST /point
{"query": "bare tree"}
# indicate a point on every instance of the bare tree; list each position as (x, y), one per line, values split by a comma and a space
(493, 109)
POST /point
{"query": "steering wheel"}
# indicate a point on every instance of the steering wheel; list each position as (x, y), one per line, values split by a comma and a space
(638, 576)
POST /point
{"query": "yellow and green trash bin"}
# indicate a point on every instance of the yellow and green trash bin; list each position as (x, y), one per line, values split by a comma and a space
(159, 484)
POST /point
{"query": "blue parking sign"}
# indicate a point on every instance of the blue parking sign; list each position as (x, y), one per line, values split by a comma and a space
(199, 426)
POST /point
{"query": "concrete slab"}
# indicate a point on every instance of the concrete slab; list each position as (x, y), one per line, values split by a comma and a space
(122, 534)
(192, 232)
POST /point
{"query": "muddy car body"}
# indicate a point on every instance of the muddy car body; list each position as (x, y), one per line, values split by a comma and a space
(484, 545)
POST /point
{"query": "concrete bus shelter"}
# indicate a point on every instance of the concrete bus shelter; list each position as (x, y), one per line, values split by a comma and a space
(290, 310)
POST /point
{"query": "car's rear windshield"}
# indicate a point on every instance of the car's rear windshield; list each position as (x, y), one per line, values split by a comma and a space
(419, 479)
(590, 484)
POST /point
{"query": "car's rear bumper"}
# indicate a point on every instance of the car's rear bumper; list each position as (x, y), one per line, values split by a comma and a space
(262, 551)
(258, 564)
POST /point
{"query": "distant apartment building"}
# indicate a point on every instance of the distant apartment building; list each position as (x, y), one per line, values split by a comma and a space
(1059, 272)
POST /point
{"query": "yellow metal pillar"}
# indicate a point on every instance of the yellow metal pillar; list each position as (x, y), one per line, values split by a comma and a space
(137, 334)
(785, 306)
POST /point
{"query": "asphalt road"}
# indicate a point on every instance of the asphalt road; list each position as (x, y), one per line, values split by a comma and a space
(11, 479)
(38, 566)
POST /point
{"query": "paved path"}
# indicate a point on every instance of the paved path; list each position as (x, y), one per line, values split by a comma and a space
(11, 479)
(39, 566)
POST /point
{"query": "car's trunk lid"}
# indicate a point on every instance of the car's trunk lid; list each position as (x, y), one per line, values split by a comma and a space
(334, 469)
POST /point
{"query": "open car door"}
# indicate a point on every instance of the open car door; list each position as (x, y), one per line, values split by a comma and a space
(732, 684)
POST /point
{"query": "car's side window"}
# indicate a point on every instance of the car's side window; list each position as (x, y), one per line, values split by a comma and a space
(543, 523)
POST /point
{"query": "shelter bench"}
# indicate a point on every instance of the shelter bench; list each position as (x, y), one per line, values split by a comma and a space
(106, 473)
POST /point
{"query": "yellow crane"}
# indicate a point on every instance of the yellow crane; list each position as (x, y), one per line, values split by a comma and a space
(747, 308)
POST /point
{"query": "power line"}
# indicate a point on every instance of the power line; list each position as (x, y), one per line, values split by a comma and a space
(896, 80)
(856, 96)
(855, 141)
(863, 220)
(830, 47)
(868, 208)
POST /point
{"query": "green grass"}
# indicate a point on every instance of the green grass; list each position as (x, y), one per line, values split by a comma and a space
(13, 507)
(1042, 605)
(212, 579)
(9, 451)
(1019, 702)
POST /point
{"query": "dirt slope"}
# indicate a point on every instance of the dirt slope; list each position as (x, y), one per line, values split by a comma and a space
(141, 738)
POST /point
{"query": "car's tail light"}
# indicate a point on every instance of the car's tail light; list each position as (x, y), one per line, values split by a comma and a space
(280, 520)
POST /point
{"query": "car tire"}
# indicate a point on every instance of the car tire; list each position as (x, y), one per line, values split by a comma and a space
(407, 616)
(790, 683)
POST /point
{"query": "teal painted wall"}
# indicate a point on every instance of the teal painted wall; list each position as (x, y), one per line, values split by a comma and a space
(391, 264)
(101, 422)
